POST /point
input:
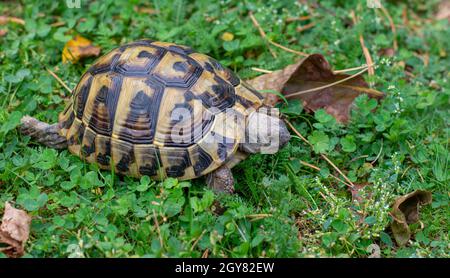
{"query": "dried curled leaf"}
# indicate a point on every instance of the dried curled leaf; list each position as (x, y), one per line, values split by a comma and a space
(405, 211)
(78, 48)
(14, 231)
(312, 81)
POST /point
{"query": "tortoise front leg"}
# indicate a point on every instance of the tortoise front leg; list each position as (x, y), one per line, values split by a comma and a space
(221, 180)
(44, 133)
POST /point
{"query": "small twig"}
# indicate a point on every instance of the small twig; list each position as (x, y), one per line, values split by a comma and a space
(305, 27)
(256, 23)
(298, 133)
(309, 165)
(240, 231)
(366, 90)
(406, 170)
(145, 10)
(391, 22)
(425, 58)
(339, 180)
(157, 228)
(288, 49)
(352, 69)
(337, 169)
(322, 155)
(378, 155)
(258, 215)
(261, 70)
(5, 19)
(261, 32)
(323, 196)
(197, 240)
(59, 80)
(300, 18)
(19, 176)
(318, 169)
(420, 175)
(231, 10)
(405, 17)
(205, 254)
(366, 52)
(58, 24)
(254, 217)
(334, 71)
(358, 157)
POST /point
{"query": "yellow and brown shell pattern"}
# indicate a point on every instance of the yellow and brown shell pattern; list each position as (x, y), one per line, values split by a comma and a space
(122, 112)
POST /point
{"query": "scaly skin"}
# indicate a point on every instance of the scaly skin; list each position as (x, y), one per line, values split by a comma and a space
(43, 133)
(221, 180)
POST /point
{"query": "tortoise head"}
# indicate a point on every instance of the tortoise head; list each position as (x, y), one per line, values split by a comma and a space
(265, 132)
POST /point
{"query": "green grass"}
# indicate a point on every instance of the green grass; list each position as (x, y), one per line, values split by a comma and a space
(282, 208)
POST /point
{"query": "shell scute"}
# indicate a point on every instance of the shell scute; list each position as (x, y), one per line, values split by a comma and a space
(157, 109)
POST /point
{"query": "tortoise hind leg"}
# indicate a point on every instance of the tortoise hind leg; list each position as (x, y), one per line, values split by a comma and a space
(221, 180)
(44, 133)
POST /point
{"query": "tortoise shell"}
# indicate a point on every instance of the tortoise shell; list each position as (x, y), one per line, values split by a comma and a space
(123, 113)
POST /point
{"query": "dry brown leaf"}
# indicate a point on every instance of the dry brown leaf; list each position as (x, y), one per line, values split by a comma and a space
(313, 72)
(273, 81)
(3, 32)
(443, 11)
(405, 211)
(78, 48)
(387, 52)
(14, 231)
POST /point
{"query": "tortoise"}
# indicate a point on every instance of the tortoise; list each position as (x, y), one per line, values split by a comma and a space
(163, 110)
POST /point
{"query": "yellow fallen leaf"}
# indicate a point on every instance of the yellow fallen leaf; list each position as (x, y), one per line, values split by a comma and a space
(78, 48)
(227, 36)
